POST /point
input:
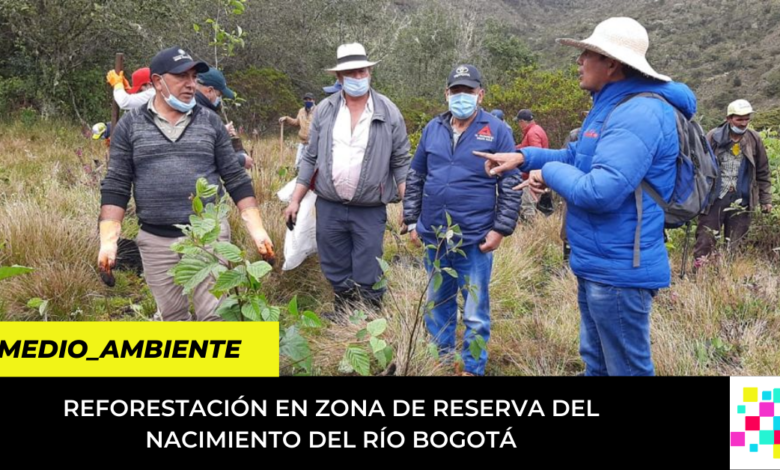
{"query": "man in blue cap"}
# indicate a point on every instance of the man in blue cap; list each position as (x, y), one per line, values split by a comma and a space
(212, 86)
(500, 114)
(336, 87)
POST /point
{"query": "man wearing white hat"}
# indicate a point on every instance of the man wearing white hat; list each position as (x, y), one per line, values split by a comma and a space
(598, 176)
(356, 162)
(744, 179)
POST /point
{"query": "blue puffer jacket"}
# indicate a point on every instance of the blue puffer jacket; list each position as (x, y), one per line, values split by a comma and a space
(597, 176)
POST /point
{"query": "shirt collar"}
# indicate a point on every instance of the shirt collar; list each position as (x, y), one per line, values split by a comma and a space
(150, 106)
(369, 103)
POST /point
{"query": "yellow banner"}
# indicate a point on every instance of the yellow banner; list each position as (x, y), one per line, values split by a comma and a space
(148, 349)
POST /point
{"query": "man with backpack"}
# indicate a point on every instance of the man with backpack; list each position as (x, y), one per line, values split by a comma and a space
(744, 179)
(614, 225)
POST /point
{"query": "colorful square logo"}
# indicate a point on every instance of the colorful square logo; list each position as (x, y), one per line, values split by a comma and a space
(754, 422)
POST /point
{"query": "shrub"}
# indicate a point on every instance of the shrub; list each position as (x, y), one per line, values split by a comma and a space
(554, 97)
(266, 95)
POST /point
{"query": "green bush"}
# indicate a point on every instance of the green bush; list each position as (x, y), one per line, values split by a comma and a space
(554, 97)
(417, 112)
(86, 94)
(13, 94)
(767, 119)
(763, 234)
(772, 87)
(266, 94)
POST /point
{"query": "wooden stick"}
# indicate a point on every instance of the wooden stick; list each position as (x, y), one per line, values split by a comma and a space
(119, 65)
(281, 145)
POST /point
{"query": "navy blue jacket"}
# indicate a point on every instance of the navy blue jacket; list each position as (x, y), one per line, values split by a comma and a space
(445, 180)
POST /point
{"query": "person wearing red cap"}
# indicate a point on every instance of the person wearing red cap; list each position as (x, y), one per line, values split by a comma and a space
(131, 97)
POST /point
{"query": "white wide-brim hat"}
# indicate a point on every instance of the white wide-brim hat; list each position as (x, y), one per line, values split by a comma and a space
(622, 39)
(350, 57)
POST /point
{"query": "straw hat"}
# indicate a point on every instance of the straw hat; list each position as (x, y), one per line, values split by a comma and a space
(350, 57)
(622, 39)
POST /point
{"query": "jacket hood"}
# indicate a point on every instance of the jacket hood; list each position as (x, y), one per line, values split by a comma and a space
(676, 93)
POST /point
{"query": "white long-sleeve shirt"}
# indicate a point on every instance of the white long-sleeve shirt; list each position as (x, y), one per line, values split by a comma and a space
(127, 101)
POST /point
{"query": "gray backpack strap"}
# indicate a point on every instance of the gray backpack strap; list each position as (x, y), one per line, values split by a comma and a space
(638, 231)
(639, 211)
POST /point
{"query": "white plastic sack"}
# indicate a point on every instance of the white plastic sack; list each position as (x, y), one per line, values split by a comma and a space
(285, 194)
(301, 242)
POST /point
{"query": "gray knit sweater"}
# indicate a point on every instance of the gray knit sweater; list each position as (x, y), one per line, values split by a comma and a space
(161, 174)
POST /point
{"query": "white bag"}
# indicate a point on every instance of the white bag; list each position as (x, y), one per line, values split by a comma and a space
(301, 242)
(285, 194)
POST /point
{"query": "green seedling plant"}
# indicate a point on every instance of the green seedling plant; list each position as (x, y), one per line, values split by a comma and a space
(357, 356)
(449, 241)
(238, 281)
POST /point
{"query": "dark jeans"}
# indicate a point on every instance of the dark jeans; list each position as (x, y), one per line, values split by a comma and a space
(734, 225)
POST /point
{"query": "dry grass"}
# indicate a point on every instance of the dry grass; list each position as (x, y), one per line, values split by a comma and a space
(724, 320)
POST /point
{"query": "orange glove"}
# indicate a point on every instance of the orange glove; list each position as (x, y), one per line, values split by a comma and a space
(254, 225)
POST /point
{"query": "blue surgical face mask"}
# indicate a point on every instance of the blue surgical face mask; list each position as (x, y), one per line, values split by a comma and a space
(463, 105)
(217, 102)
(308, 105)
(176, 103)
(356, 87)
(737, 130)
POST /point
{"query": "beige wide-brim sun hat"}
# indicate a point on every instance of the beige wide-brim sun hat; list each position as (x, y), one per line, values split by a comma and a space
(350, 57)
(622, 39)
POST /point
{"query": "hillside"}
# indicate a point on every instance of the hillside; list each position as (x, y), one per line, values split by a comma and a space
(723, 49)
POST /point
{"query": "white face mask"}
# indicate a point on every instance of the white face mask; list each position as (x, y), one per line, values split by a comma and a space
(174, 102)
(737, 130)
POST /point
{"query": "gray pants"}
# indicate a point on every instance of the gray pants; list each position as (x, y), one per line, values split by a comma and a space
(158, 258)
(528, 206)
(349, 240)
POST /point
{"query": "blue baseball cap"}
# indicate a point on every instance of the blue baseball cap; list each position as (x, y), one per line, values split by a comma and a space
(332, 89)
(466, 75)
(175, 60)
(498, 113)
(216, 79)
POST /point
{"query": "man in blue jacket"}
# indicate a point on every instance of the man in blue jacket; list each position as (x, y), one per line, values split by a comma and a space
(597, 176)
(446, 181)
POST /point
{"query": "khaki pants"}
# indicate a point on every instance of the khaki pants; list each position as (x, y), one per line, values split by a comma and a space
(158, 258)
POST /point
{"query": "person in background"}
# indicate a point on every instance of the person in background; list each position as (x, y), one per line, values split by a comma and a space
(302, 121)
(212, 87)
(533, 136)
(500, 115)
(128, 97)
(744, 179)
